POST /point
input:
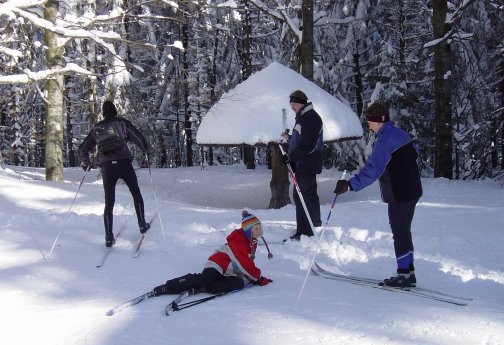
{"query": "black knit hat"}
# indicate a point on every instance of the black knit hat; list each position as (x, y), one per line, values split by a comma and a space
(377, 112)
(298, 96)
(109, 109)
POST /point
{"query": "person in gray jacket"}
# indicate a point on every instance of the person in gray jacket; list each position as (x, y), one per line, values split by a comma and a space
(110, 137)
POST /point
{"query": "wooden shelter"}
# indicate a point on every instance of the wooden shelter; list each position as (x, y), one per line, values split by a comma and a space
(257, 110)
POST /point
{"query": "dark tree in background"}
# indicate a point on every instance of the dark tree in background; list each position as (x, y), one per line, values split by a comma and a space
(443, 165)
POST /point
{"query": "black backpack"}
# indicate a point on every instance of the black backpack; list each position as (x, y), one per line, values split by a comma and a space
(108, 137)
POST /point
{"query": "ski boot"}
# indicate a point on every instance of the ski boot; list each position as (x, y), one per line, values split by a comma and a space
(161, 290)
(109, 240)
(412, 275)
(144, 228)
(400, 280)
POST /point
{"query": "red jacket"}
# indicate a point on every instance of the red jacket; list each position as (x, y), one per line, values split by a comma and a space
(236, 257)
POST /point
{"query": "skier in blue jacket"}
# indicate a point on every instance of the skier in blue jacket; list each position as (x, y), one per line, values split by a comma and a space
(394, 163)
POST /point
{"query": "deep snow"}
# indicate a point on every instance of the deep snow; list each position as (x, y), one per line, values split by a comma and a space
(458, 234)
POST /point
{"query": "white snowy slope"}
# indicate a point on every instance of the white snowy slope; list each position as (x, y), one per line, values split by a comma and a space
(458, 234)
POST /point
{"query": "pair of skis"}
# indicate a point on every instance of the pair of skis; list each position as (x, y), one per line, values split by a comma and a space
(174, 305)
(140, 241)
(374, 283)
(170, 307)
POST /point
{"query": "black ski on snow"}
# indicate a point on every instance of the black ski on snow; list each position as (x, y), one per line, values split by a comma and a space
(177, 306)
(173, 305)
(139, 245)
(109, 249)
(130, 303)
(434, 295)
(376, 281)
(142, 237)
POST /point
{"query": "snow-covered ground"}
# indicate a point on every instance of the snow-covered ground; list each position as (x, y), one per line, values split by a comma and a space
(458, 234)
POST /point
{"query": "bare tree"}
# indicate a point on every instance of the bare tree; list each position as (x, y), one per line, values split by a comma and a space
(246, 59)
(443, 164)
(54, 107)
(306, 45)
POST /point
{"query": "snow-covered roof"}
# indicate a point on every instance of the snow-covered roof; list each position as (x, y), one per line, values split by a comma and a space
(251, 113)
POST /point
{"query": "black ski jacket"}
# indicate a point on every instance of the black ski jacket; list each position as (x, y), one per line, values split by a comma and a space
(127, 131)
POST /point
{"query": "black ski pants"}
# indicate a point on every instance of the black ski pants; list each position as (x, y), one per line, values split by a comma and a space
(210, 279)
(111, 172)
(400, 219)
(308, 185)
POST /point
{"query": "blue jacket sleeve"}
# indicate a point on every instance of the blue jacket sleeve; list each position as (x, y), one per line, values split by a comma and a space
(374, 168)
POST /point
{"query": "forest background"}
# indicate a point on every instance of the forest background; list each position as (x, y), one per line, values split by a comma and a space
(439, 65)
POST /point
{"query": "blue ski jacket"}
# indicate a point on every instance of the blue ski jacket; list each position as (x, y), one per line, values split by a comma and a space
(394, 163)
(306, 142)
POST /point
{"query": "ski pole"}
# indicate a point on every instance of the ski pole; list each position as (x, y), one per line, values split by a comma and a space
(69, 209)
(296, 185)
(319, 241)
(270, 255)
(178, 307)
(334, 200)
(155, 197)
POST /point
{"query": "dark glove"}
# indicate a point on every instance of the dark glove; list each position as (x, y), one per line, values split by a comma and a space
(84, 166)
(263, 281)
(285, 160)
(342, 186)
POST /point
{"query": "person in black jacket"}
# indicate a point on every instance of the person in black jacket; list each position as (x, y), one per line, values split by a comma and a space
(393, 163)
(110, 137)
(305, 157)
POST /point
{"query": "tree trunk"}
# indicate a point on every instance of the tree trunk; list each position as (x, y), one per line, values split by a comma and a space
(501, 121)
(176, 106)
(212, 78)
(443, 163)
(54, 104)
(279, 184)
(69, 140)
(246, 41)
(89, 49)
(246, 61)
(249, 157)
(498, 150)
(359, 87)
(187, 113)
(306, 48)
(402, 42)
